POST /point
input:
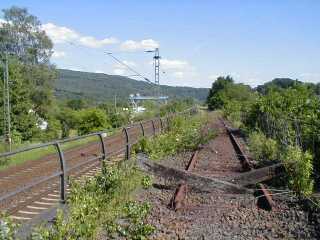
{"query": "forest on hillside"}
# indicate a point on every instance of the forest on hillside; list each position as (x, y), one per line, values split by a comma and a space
(103, 87)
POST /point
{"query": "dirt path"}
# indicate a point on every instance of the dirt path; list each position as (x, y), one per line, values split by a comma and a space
(222, 215)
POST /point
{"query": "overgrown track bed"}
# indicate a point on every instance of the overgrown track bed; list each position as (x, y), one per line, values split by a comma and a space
(82, 161)
(222, 214)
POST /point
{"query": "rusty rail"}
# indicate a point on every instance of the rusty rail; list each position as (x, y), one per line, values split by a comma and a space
(245, 163)
(176, 202)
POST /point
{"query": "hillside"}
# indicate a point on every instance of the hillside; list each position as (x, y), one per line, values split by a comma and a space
(102, 87)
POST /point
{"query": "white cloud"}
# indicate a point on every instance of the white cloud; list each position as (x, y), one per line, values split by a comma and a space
(2, 22)
(119, 71)
(167, 64)
(179, 75)
(58, 54)
(60, 34)
(146, 44)
(92, 42)
(178, 69)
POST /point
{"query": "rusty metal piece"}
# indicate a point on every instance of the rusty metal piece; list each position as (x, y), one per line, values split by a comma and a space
(258, 175)
(264, 198)
(246, 165)
(192, 161)
(177, 200)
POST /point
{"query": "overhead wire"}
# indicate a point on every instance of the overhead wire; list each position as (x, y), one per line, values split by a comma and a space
(120, 62)
(128, 67)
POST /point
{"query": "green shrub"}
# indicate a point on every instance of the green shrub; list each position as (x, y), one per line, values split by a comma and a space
(263, 149)
(146, 182)
(137, 228)
(184, 134)
(299, 168)
(98, 204)
(7, 228)
(92, 120)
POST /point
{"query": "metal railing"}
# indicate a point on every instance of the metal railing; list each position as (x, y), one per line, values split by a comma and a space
(64, 170)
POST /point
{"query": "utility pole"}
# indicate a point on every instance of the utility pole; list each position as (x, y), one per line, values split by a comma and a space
(156, 62)
(156, 59)
(156, 66)
(6, 104)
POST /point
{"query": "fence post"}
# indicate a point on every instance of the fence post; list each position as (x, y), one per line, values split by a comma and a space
(153, 127)
(168, 123)
(142, 128)
(63, 175)
(103, 149)
(127, 157)
(161, 124)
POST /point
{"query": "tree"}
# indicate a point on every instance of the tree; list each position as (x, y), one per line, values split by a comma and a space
(22, 36)
(24, 119)
(217, 86)
(31, 75)
(77, 104)
(68, 120)
(92, 120)
(277, 84)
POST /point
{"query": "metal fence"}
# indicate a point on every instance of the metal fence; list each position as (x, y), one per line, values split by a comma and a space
(118, 144)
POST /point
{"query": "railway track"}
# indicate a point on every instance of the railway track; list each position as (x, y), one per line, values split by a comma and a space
(215, 196)
(29, 189)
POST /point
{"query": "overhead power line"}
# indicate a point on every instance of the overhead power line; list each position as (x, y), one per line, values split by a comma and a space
(130, 68)
(136, 73)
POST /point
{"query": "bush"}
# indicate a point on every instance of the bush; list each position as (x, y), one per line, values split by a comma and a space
(299, 168)
(99, 204)
(92, 120)
(7, 228)
(184, 134)
(263, 149)
(53, 130)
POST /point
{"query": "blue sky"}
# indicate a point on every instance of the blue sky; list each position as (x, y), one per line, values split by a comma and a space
(254, 41)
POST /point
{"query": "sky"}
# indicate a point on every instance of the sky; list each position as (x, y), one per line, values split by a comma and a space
(254, 41)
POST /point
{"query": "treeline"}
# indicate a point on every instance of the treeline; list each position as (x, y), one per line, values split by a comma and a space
(100, 87)
(36, 114)
(281, 120)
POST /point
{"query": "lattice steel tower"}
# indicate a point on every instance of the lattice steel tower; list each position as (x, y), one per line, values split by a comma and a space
(6, 104)
(156, 59)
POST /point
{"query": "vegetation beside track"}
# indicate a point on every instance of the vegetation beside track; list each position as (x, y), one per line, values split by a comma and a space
(171, 107)
(104, 206)
(98, 207)
(281, 124)
(184, 134)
